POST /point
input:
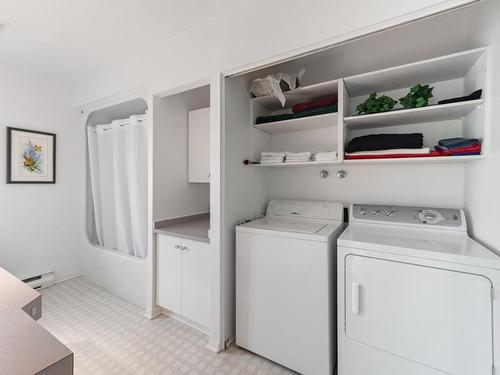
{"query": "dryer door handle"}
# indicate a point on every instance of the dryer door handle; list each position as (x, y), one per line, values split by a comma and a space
(355, 298)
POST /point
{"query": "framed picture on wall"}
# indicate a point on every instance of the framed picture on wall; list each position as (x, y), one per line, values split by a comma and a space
(31, 157)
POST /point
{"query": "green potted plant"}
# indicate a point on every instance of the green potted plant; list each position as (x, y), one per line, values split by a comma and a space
(376, 104)
(418, 96)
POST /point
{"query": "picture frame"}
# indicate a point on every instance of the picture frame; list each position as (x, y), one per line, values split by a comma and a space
(31, 156)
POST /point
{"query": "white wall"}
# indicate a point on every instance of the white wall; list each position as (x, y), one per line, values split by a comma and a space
(173, 196)
(426, 185)
(41, 224)
(482, 178)
(236, 38)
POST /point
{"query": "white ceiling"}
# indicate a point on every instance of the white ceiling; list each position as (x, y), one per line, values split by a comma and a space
(71, 39)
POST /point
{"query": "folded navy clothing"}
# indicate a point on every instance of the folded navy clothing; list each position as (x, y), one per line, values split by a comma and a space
(474, 96)
(451, 143)
(273, 118)
(375, 142)
(305, 113)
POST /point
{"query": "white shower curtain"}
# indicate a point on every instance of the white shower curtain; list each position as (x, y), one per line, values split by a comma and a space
(118, 176)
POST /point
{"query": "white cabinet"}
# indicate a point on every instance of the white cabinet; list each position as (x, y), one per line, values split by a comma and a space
(199, 146)
(195, 290)
(183, 278)
(168, 288)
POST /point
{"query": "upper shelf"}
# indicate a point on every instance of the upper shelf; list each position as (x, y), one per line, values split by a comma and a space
(439, 112)
(300, 124)
(439, 69)
(300, 95)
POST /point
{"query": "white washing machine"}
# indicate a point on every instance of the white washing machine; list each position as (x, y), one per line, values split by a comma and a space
(416, 294)
(285, 284)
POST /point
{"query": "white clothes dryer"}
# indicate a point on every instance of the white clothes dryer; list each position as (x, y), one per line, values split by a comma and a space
(417, 296)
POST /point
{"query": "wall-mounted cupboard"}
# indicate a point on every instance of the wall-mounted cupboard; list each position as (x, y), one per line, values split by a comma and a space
(199, 146)
(452, 76)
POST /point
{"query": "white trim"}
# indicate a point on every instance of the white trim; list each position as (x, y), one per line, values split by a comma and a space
(444, 6)
(184, 320)
(153, 312)
(217, 162)
(184, 87)
(62, 277)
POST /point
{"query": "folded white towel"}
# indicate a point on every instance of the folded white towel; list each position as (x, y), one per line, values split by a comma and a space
(326, 159)
(264, 161)
(298, 154)
(272, 154)
(325, 154)
(297, 161)
(280, 160)
(396, 151)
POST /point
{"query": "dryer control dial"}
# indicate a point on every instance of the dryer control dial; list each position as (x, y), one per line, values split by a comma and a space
(430, 216)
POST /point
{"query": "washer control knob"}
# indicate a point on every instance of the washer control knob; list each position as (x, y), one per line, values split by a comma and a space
(375, 212)
(389, 213)
(362, 212)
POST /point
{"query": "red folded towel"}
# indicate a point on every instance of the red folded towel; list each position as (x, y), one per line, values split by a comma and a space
(393, 156)
(315, 104)
(476, 148)
(460, 150)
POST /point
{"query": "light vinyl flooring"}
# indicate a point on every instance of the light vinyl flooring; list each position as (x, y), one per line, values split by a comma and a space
(110, 335)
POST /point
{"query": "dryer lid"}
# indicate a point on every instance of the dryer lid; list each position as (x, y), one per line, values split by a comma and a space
(324, 210)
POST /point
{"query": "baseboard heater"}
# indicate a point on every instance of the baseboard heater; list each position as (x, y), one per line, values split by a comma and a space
(41, 281)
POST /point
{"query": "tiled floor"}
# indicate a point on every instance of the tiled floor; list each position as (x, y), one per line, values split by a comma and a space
(111, 336)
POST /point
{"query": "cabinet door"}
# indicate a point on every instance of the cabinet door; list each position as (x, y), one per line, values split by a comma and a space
(199, 145)
(196, 300)
(439, 318)
(168, 286)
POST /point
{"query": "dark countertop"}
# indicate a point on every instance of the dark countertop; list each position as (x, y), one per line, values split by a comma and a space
(193, 227)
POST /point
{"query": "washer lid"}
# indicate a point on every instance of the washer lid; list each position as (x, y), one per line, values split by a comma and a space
(289, 226)
(325, 210)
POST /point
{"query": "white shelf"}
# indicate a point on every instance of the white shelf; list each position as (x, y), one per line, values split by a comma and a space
(418, 160)
(439, 69)
(297, 164)
(299, 95)
(439, 112)
(328, 120)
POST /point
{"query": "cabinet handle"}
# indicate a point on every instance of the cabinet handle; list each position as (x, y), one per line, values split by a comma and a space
(177, 247)
(355, 296)
(184, 248)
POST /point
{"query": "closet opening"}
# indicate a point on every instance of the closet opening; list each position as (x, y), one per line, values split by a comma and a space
(117, 154)
(181, 154)
(271, 145)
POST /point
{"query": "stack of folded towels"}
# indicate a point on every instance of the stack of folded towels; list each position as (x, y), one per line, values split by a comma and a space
(459, 146)
(297, 157)
(272, 157)
(313, 108)
(382, 146)
(326, 156)
(378, 146)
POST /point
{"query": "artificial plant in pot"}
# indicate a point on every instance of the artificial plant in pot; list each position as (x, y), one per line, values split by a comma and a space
(418, 96)
(376, 104)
